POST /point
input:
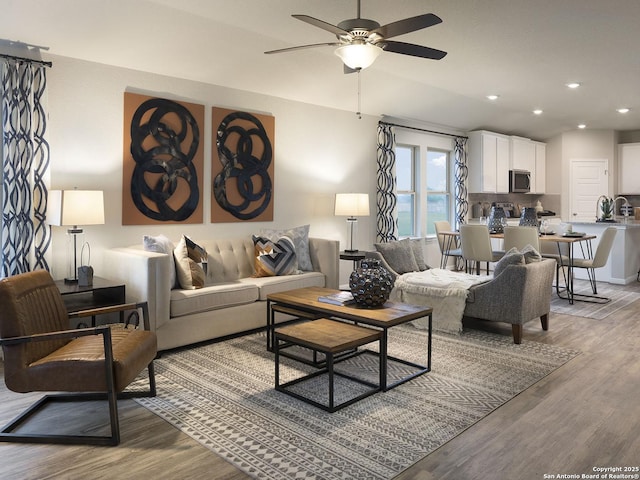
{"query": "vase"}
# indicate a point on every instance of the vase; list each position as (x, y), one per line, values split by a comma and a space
(528, 217)
(495, 221)
(371, 283)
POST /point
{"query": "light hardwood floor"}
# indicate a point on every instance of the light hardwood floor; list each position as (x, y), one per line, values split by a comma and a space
(584, 415)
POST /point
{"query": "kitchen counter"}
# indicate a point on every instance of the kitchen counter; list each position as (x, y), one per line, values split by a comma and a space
(620, 222)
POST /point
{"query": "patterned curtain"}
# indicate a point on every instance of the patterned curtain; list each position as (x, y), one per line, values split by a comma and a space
(24, 236)
(386, 200)
(461, 173)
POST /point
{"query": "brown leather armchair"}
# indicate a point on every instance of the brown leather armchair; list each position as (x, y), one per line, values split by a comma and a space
(41, 354)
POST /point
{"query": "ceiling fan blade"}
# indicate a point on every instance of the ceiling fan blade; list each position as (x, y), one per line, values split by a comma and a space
(321, 24)
(414, 50)
(300, 47)
(408, 25)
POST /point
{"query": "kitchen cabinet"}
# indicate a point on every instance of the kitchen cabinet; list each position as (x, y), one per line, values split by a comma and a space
(523, 154)
(629, 168)
(488, 162)
(539, 182)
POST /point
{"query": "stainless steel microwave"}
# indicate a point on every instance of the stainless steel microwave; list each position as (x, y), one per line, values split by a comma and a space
(519, 181)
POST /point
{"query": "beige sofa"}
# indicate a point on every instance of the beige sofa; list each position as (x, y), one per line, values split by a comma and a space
(231, 302)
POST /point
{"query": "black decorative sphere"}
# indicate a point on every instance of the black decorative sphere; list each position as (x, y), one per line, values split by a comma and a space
(371, 283)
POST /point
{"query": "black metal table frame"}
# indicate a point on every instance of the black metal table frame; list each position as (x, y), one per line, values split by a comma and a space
(328, 368)
(311, 314)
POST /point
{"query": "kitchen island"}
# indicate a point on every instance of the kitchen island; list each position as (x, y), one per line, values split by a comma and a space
(624, 259)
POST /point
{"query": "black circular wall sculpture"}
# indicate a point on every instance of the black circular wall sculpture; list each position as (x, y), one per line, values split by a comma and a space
(163, 148)
(242, 168)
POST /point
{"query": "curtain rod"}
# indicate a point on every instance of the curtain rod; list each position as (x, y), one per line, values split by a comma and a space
(421, 129)
(24, 59)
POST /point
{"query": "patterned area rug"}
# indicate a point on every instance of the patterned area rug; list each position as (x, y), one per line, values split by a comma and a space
(620, 296)
(223, 396)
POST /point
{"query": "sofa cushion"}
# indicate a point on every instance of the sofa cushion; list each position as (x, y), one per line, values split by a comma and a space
(300, 237)
(399, 255)
(213, 297)
(188, 256)
(268, 285)
(512, 257)
(161, 244)
(274, 258)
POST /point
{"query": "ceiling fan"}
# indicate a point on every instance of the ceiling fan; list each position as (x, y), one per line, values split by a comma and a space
(361, 40)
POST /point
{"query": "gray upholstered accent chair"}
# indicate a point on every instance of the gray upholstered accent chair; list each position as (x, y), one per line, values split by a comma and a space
(516, 295)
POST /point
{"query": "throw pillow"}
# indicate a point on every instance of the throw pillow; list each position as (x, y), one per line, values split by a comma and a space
(418, 253)
(300, 237)
(274, 258)
(189, 256)
(531, 255)
(512, 257)
(399, 255)
(161, 244)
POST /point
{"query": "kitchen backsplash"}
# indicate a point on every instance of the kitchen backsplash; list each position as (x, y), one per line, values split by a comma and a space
(549, 202)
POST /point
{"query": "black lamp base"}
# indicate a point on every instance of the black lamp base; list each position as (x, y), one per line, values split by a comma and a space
(70, 281)
(352, 251)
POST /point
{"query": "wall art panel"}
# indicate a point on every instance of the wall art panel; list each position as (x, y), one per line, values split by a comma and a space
(242, 166)
(162, 174)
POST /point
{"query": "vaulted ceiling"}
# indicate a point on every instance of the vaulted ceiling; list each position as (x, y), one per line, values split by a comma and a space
(525, 51)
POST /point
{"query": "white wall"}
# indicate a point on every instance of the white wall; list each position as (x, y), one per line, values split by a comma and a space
(584, 144)
(318, 153)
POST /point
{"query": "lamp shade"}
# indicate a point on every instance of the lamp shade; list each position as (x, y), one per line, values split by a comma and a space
(75, 207)
(352, 204)
(358, 55)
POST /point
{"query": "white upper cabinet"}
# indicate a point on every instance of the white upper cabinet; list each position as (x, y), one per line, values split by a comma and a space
(488, 162)
(629, 171)
(530, 156)
(523, 154)
(540, 184)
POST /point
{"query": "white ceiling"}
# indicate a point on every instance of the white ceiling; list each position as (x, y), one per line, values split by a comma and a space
(523, 50)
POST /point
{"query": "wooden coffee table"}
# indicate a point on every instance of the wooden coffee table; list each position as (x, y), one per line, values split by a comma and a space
(303, 303)
(330, 338)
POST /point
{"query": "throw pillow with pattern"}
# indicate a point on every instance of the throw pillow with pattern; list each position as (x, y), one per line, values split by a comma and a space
(274, 258)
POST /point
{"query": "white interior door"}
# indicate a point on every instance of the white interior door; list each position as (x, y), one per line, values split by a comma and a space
(589, 180)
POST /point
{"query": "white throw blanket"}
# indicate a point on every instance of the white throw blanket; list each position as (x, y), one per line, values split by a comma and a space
(443, 290)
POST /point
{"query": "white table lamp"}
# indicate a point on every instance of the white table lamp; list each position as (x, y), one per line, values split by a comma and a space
(352, 205)
(73, 208)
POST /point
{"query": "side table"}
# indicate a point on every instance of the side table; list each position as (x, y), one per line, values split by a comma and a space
(355, 257)
(103, 293)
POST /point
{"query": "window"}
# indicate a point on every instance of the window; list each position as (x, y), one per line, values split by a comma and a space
(423, 176)
(438, 206)
(405, 190)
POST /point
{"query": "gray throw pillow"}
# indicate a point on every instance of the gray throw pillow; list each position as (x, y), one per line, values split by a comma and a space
(531, 255)
(512, 257)
(418, 253)
(161, 244)
(399, 255)
(300, 237)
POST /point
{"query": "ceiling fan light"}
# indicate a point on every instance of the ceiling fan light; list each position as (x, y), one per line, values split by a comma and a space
(358, 55)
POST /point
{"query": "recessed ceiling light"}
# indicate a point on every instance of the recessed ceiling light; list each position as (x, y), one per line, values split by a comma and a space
(622, 110)
(582, 125)
(537, 111)
(573, 85)
(493, 97)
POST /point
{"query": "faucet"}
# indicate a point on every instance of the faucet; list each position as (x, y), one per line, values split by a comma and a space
(626, 203)
(612, 205)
